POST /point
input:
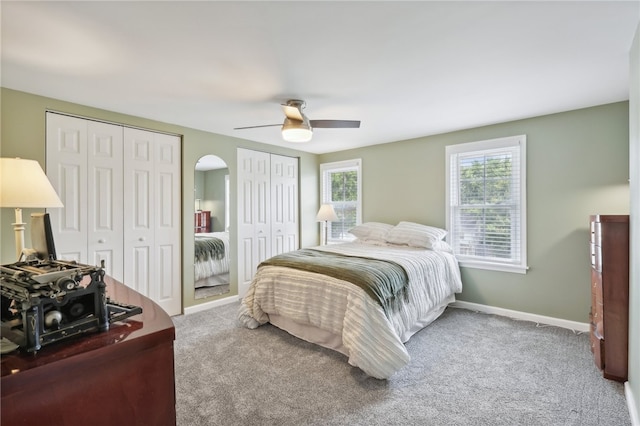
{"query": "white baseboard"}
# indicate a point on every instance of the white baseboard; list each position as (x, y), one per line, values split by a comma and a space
(208, 305)
(631, 405)
(571, 325)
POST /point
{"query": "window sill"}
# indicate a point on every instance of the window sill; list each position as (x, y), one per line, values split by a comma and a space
(516, 269)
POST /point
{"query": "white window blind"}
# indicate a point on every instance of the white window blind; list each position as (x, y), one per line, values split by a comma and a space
(341, 186)
(486, 202)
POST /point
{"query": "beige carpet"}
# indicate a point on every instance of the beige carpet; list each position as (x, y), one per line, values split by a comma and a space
(466, 369)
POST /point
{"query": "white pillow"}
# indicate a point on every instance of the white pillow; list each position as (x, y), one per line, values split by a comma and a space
(442, 246)
(381, 243)
(368, 231)
(415, 235)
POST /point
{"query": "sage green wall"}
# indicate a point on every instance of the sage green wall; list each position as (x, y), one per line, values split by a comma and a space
(214, 197)
(634, 283)
(577, 165)
(23, 135)
(198, 183)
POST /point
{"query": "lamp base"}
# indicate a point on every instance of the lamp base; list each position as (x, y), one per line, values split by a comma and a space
(19, 227)
(326, 232)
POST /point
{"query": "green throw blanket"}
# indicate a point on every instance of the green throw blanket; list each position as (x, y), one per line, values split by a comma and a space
(385, 281)
(209, 248)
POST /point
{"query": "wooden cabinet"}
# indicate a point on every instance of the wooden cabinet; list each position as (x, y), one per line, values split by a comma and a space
(610, 294)
(121, 376)
(203, 221)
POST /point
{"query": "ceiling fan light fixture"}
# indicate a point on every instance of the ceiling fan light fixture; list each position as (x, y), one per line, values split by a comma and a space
(296, 130)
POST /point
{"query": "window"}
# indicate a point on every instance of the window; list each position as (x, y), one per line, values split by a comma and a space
(341, 186)
(486, 203)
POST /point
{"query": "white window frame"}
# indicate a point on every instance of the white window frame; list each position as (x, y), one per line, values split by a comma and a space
(338, 166)
(517, 144)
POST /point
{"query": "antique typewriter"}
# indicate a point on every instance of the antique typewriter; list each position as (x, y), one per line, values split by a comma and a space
(44, 300)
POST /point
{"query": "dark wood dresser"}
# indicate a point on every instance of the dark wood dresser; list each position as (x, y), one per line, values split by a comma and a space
(610, 294)
(203, 221)
(122, 376)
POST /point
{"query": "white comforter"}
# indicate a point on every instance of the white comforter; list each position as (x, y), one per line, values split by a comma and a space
(213, 266)
(373, 342)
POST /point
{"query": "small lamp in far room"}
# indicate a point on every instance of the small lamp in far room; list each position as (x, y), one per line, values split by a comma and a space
(326, 214)
(23, 185)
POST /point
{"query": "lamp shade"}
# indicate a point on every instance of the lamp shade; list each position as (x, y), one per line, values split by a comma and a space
(327, 214)
(296, 130)
(23, 184)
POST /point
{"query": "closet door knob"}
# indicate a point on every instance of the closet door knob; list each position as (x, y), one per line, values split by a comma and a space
(141, 239)
(101, 241)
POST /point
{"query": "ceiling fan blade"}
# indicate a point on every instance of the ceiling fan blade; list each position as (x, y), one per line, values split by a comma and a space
(255, 127)
(293, 112)
(335, 124)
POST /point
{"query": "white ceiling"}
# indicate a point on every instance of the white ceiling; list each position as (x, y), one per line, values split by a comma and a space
(210, 162)
(405, 69)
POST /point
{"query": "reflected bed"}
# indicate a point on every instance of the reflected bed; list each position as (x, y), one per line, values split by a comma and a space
(211, 255)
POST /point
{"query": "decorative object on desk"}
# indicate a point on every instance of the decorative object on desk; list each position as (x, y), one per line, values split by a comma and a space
(326, 214)
(46, 302)
(23, 184)
(198, 209)
(7, 346)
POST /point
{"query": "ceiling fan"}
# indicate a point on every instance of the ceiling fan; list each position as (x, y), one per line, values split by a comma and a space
(298, 128)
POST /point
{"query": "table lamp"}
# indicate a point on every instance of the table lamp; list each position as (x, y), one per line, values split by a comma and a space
(23, 184)
(326, 214)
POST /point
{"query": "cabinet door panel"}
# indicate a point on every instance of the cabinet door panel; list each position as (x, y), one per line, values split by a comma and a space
(138, 270)
(165, 288)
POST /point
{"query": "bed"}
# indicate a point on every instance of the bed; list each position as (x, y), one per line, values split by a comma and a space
(211, 255)
(330, 310)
